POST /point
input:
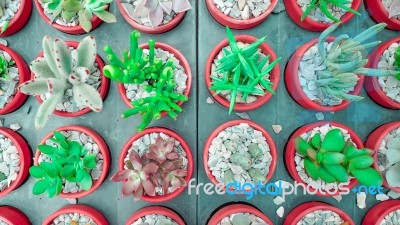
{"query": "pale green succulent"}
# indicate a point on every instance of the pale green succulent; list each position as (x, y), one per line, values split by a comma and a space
(55, 73)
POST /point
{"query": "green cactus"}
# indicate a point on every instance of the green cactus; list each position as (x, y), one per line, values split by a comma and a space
(324, 6)
(255, 151)
(4, 76)
(55, 73)
(397, 63)
(228, 177)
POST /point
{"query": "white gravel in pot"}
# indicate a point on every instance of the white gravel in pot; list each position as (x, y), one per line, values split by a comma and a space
(299, 159)
(226, 94)
(10, 9)
(74, 21)
(91, 146)
(236, 141)
(141, 147)
(9, 162)
(155, 219)
(392, 218)
(242, 9)
(137, 91)
(79, 219)
(317, 15)
(130, 6)
(255, 220)
(3, 223)
(387, 4)
(8, 88)
(321, 217)
(383, 162)
(390, 84)
(68, 103)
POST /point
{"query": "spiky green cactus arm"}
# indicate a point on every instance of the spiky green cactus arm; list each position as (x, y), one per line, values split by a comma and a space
(85, 94)
(87, 52)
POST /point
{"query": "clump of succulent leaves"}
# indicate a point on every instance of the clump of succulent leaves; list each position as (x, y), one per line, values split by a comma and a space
(69, 161)
(323, 5)
(4, 65)
(333, 159)
(242, 71)
(154, 9)
(394, 9)
(135, 67)
(55, 73)
(83, 9)
(345, 59)
(161, 165)
(2, 13)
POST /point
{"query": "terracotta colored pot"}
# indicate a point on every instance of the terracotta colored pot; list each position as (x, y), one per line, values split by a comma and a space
(255, 126)
(295, 14)
(25, 156)
(380, 15)
(182, 61)
(372, 86)
(296, 91)
(160, 210)
(290, 153)
(237, 208)
(95, 215)
(274, 74)
(377, 213)
(302, 210)
(24, 75)
(96, 21)
(374, 141)
(20, 18)
(150, 30)
(13, 216)
(235, 23)
(186, 148)
(103, 90)
(103, 150)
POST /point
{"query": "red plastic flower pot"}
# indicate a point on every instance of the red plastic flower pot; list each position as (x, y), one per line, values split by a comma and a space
(295, 14)
(237, 208)
(374, 141)
(290, 153)
(182, 61)
(379, 14)
(13, 216)
(148, 29)
(377, 213)
(96, 21)
(302, 210)
(103, 150)
(25, 156)
(186, 148)
(295, 90)
(24, 75)
(255, 126)
(20, 18)
(372, 86)
(92, 213)
(235, 23)
(274, 74)
(103, 90)
(159, 210)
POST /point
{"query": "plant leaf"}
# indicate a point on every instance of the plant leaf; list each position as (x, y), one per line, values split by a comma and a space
(338, 171)
(316, 141)
(302, 146)
(40, 187)
(333, 158)
(47, 149)
(75, 148)
(86, 182)
(49, 169)
(89, 161)
(326, 176)
(312, 169)
(36, 172)
(333, 141)
(67, 171)
(368, 177)
(361, 162)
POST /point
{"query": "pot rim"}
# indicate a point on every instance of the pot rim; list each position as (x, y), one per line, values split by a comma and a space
(237, 208)
(88, 211)
(159, 210)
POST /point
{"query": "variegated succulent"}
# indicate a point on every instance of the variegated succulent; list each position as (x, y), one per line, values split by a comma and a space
(56, 72)
(394, 9)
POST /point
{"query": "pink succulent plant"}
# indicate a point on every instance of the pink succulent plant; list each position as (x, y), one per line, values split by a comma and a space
(173, 176)
(394, 9)
(162, 150)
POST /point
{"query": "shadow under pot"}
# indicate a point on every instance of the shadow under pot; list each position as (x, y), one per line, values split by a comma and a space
(183, 75)
(317, 212)
(379, 12)
(13, 216)
(316, 20)
(21, 11)
(68, 107)
(236, 213)
(15, 161)
(385, 140)
(17, 72)
(253, 101)
(295, 161)
(240, 14)
(162, 154)
(239, 151)
(383, 213)
(384, 90)
(94, 144)
(151, 214)
(297, 74)
(76, 213)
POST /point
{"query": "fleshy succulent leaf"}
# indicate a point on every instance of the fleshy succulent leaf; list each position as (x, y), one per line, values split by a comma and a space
(86, 52)
(86, 95)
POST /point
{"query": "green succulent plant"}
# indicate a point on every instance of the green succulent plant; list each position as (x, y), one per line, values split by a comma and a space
(324, 6)
(397, 62)
(242, 71)
(69, 161)
(4, 68)
(135, 67)
(335, 160)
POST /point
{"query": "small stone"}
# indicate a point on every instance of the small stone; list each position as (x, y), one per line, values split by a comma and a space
(243, 115)
(361, 197)
(245, 13)
(337, 198)
(72, 201)
(15, 126)
(280, 211)
(278, 200)
(381, 197)
(210, 100)
(241, 4)
(277, 128)
(280, 7)
(319, 116)
(393, 194)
